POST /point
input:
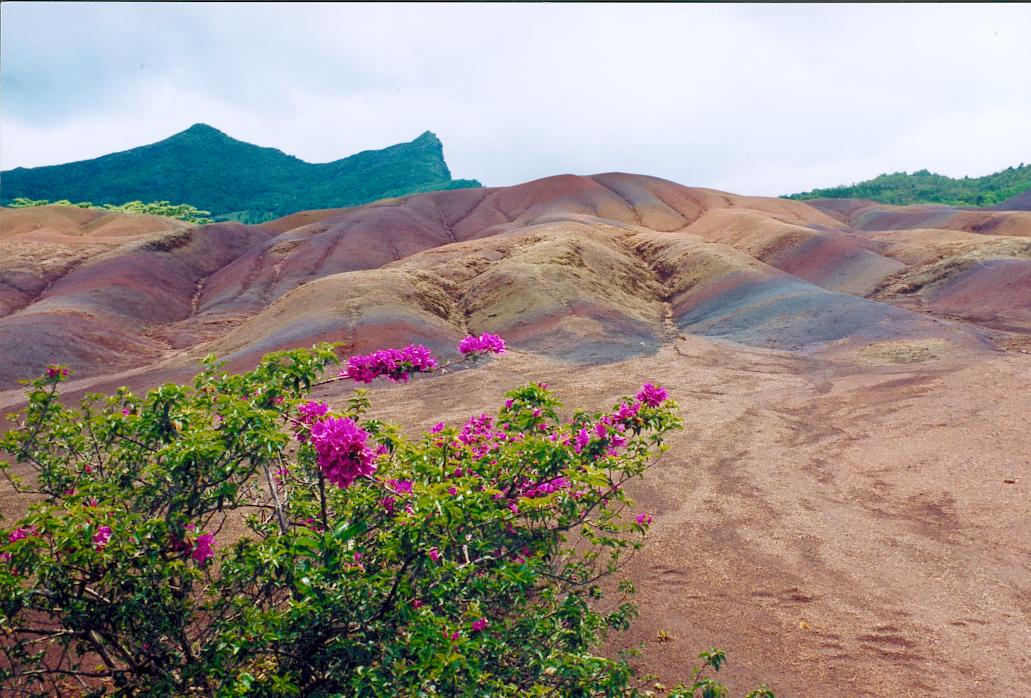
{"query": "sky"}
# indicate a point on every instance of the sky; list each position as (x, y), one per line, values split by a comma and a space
(752, 99)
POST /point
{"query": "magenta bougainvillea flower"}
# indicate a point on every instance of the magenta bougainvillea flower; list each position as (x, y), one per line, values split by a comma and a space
(652, 395)
(581, 440)
(531, 490)
(401, 486)
(102, 536)
(395, 364)
(626, 412)
(19, 533)
(486, 343)
(342, 451)
(202, 548)
(310, 411)
(480, 625)
(480, 435)
(644, 518)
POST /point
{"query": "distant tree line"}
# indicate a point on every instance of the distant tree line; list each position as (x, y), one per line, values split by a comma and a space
(924, 187)
(183, 212)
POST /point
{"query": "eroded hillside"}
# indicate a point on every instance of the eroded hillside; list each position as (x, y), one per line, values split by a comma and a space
(591, 269)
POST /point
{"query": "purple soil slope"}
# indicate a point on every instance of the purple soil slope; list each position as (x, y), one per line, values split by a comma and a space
(99, 316)
(1020, 202)
(978, 278)
(871, 216)
(39, 246)
(834, 259)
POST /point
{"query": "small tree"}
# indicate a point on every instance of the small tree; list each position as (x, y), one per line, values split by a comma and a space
(234, 537)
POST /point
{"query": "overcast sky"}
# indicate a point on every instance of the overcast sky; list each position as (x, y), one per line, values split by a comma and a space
(753, 99)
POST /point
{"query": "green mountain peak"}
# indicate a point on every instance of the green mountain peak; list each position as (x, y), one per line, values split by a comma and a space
(203, 128)
(427, 137)
(236, 180)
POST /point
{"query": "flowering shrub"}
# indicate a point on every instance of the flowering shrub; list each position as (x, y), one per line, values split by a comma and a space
(235, 537)
(341, 451)
(485, 343)
(395, 364)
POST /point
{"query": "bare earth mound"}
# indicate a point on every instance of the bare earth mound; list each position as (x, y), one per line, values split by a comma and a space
(847, 512)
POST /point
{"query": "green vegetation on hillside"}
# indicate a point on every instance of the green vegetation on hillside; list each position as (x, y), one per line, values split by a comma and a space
(925, 187)
(237, 180)
(183, 212)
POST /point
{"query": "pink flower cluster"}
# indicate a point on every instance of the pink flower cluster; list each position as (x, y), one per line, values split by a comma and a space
(16, 535)
(311, 411)
(652, 395)
(395, 364)
(399, 490)
(530, 490)
(101, 537)
(626, 412)
(480, 435)
(19, 533)
(341, 450)
(56, 371)
(402, 487)
(486, 343)
(580, 441)
(612, 426)
(203, 548)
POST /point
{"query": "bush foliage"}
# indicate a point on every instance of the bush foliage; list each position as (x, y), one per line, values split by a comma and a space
(233, 537)
(183, 212)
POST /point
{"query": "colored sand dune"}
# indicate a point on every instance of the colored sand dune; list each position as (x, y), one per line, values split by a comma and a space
(588, 269)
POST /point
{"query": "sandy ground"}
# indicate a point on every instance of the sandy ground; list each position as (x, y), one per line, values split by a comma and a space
(847, 525)
(841, 528)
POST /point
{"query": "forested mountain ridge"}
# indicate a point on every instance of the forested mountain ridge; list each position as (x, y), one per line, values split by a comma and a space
(923, 187)
(236, 180)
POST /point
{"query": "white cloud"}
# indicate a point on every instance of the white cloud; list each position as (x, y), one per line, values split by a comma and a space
(761, 99)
